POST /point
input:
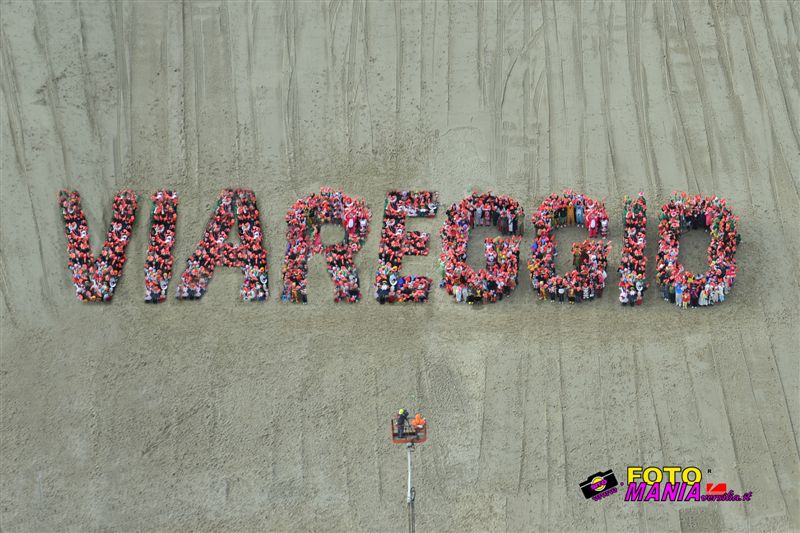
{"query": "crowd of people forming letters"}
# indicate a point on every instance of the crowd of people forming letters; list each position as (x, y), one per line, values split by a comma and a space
(710, 213)
(589, 258)
(158, 265)
(500, 276)
(95, 278)
(307, 216)
(234, 206)
(633, 263)
(396, 242)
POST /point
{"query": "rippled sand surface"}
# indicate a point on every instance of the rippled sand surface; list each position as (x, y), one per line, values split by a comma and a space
(221, 415)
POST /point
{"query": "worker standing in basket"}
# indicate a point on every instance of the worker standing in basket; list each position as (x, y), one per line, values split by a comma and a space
(402, 420)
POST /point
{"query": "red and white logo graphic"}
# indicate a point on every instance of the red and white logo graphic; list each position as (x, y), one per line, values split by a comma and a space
(716, 489)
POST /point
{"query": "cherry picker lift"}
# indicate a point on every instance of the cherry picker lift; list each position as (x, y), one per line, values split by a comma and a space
(409, 432)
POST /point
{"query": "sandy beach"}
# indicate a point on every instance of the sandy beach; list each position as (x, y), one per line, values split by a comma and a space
(220, 415)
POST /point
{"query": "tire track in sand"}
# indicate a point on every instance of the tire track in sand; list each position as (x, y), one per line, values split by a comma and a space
(746, 153)
(791, 114)
(777, 150)
(551, 122)
(17, 127)
(709, 126)
(780, 473)
(725, 404)
(577, 34)
(89, 86)
(677, 117)
(604, 75)
(632, 26)
(291, 111)
(40, 31)
(122, 55)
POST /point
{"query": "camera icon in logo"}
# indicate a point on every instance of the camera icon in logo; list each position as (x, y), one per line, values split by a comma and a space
(598, 483)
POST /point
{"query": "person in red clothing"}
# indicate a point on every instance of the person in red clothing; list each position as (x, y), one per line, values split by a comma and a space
(592, 220)
(418, 423)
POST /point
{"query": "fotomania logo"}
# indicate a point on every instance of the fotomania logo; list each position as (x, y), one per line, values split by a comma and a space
(676, 484)
(670, 483)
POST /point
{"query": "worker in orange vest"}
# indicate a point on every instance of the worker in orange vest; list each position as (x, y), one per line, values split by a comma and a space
(418, 423)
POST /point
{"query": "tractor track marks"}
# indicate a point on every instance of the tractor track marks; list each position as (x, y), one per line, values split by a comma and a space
(231, 401)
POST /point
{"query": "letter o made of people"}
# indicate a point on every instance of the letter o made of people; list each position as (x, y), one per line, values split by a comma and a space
(684, 212)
